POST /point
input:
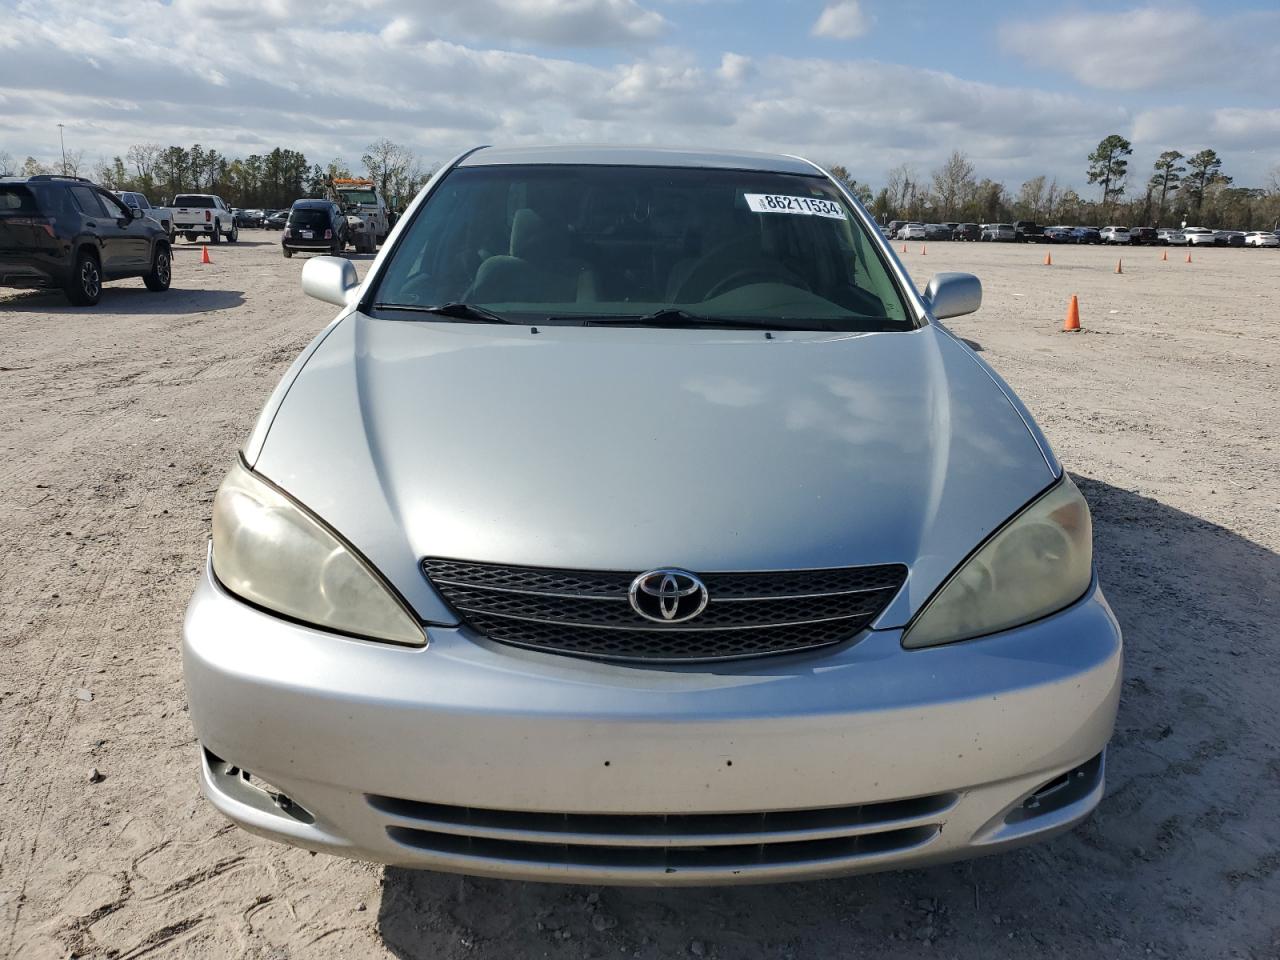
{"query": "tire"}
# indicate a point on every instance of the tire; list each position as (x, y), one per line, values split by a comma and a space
(191, 237)
(161, 274)
(288, 254)
(216, 236)
(85, 287)
(235, 233)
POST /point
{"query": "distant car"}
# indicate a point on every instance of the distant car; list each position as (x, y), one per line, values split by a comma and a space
(1261, 238)
(1115, 234)
(1143, 235)
(1028, 231)
(966, 231)
(203, 214)
(277, 220)
(1228, 238)
(1086, 234)
(1199, 237)
(1003, 232)
(912, 231)
(1058, 235)
(937, 231)
(314, 226)
(248, 218)
(161, 215)
(892, 227)
(67, 233)
(1171, 237)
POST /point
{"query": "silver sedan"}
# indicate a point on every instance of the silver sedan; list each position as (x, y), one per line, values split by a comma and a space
(637, 521)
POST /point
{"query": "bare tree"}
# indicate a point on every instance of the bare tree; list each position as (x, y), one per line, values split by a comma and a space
(902, 187)
(389, 165)
(73, 162)
(145, 157)
(6, 164)
(952, 182)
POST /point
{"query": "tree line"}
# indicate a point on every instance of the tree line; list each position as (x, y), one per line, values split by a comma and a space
(268, 180)
(1179, 188)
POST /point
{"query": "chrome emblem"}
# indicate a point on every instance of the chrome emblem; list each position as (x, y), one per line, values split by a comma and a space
(668, 595)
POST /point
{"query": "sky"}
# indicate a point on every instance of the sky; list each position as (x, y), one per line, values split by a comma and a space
(1022, 89)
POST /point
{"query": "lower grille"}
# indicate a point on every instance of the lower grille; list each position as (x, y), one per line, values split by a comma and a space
(588, 613)
(640, 845)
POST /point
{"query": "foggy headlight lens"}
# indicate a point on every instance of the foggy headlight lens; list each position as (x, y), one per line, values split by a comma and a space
(272, 552)
(1040, 562)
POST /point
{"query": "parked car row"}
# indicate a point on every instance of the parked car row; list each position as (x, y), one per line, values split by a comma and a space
(1023, 231)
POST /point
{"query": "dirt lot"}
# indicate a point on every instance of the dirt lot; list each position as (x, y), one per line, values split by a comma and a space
(118, 423)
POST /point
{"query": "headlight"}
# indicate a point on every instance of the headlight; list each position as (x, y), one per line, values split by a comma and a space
(272, 552)
(1036, 564)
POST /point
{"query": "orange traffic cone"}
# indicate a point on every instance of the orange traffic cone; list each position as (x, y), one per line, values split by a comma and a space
(924, 251)
(1188, 256)
(1048, 260)
(1164, 254)
(1072, 323)
(1120, 266)
(204, 257)
(904, 248)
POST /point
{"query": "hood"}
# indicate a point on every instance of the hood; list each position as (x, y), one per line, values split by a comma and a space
(628, 449)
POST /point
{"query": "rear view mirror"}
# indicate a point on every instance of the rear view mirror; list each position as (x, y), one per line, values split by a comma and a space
(331, 279)
(953, 294)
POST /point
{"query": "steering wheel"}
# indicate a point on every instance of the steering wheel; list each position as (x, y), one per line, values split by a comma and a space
(759, 274)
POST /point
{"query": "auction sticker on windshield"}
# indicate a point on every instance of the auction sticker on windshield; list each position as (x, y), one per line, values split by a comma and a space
(806, 206)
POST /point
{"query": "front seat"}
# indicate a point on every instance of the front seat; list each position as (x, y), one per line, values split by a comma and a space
(539, 268)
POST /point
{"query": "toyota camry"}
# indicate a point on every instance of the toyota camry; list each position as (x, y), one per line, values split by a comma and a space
(637, 521)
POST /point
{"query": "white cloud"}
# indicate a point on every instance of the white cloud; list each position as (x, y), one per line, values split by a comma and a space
(1169, 47)
(125, 74)
(843, 20)
(564, 23)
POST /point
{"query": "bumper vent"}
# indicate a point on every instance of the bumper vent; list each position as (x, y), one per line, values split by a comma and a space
(648, 847)
(588, 613)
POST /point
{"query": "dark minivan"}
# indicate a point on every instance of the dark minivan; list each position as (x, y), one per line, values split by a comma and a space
(314, 226)
(67, 233)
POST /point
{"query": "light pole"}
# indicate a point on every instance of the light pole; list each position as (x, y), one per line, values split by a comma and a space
(63, 144)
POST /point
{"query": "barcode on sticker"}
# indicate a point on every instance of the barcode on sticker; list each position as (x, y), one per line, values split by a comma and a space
(805, 206)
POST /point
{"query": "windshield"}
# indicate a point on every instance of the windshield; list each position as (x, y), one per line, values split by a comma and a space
(562, 243)
(358, 196)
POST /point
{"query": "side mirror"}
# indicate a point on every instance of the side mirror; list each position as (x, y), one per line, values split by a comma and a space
(953, 294)
(331, 279)
(134, 213)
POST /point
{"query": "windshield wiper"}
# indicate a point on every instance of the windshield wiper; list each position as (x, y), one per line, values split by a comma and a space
(668, 317)
(454, 310)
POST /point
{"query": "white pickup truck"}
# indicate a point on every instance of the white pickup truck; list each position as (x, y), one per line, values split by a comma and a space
(202, 214)
(161, 215)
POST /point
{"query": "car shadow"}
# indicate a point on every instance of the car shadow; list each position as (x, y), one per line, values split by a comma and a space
(1192, 774)
(135, 301)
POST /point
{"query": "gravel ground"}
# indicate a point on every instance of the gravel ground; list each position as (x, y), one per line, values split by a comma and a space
(119, 422)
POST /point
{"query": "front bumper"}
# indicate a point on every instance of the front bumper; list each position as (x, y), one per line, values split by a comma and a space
(473, 757)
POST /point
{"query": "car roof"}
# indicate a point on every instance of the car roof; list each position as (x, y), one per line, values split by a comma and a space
(638, 157)
(311, 202)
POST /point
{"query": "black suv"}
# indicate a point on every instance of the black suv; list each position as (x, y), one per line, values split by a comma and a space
(65, 232)
(315, 226)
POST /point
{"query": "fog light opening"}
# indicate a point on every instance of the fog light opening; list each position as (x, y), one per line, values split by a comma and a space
(1062, 791)
(242, 785)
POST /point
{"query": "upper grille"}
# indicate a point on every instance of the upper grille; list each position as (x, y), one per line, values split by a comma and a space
(587, 613)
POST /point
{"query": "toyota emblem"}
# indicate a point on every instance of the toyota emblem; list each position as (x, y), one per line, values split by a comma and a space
(668, 595)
